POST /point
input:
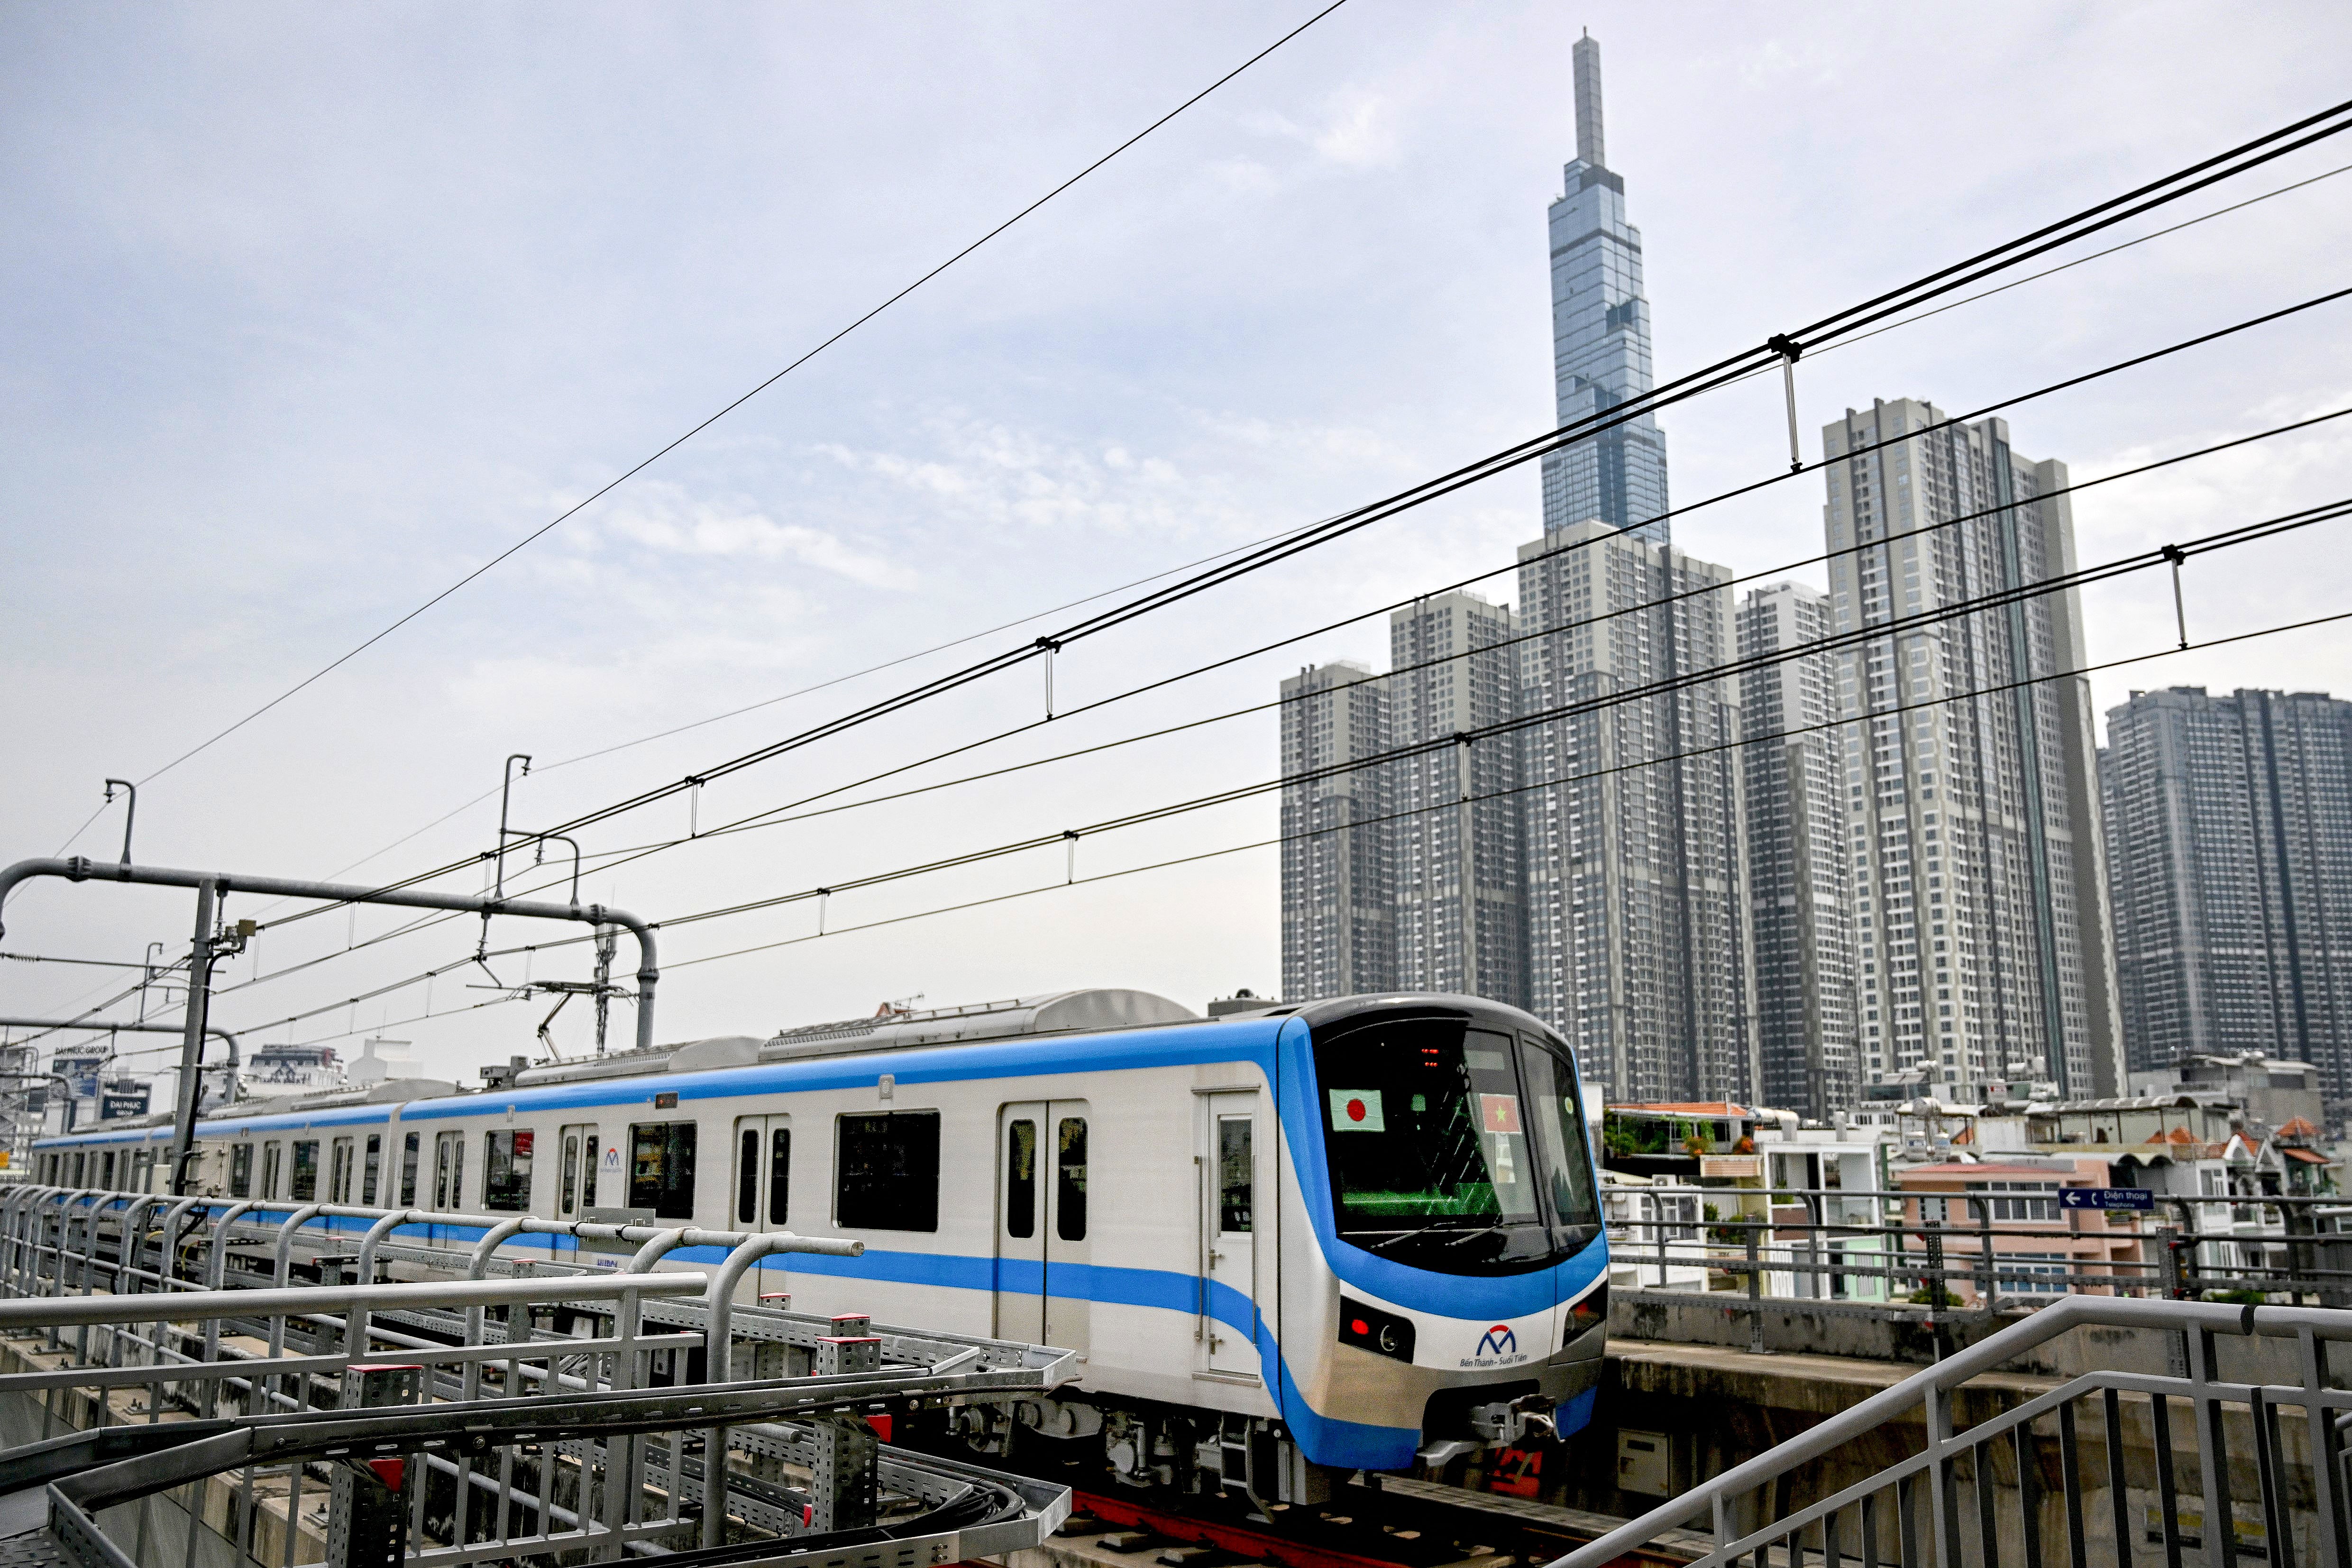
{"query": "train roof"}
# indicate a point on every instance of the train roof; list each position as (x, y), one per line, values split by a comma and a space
(1059, 1013)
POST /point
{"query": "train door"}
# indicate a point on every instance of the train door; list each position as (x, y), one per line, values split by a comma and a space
(763, 1168)
(1231, 1225)
(448, 1171)
(1042, 1248)
(576, 1173)
(339, 1173)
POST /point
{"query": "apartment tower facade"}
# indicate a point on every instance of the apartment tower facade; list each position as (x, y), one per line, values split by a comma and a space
(1637, 920)
(1338, 915)
(1983, 947)
(1799, 886)
(2228, 828)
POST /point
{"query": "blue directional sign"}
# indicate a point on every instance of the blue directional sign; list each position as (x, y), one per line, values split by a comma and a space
(2106, 1198)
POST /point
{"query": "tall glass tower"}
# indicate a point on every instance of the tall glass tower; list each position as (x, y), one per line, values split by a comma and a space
(1600, 340)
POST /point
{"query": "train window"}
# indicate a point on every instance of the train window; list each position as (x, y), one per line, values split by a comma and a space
(448, 1171)
(1021, 1178)
(240, 1171)
(304, 1183)
(82, 1169)
(780, 1172)
(106, 1176)
(1559, 1129)
(408, 1152)
(889, 1176)
(661, 1168)
(1423, 1129)
(747, 1178)
(568, 1181)
(338, 1172)
(588, 1173)
(270, 1162)
(1070, 1179)
(372, 1168)
(506, 1169)
(1236, 1173)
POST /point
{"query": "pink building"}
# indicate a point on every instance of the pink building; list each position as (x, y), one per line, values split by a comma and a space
(2046, 1245)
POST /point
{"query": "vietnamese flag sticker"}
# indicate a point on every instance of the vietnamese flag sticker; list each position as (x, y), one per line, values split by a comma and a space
(1357, 1110)
(1498, 1113)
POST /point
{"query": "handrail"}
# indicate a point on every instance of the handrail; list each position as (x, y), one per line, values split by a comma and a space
(203, 1306)
(1986, 1355)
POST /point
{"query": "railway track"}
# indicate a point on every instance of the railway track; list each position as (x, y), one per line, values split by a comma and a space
(1402, 1524)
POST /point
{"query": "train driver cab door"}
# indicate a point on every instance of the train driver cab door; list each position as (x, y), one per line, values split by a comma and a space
(1042, 1254)
(1228, 1229)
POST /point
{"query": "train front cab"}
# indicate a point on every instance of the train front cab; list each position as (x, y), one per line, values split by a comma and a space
(1444, 1172)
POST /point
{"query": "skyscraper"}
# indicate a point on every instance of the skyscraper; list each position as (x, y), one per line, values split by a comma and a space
(2229, 826)
(1980, 906)
(1600, 339)
(1338, 919)
(1799, 885)
(1636, 921)
(1456, 834)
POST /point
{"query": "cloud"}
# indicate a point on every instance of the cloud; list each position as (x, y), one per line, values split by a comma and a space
(1356, 131)
(665, 519)
(992, 472)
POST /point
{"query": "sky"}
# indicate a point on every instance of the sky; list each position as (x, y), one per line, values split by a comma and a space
(311, 311)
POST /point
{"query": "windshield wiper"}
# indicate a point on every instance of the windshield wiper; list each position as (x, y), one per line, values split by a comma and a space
(1482, 1230)
(1388, 1240)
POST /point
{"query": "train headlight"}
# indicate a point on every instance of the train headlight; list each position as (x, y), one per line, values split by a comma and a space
(1369, 1328)
(1587, 1315)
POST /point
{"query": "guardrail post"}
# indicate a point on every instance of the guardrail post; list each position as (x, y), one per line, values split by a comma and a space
(1933, 1235)
(367, 1509)
(2170, 1246)
(1987, 1281)
(841, 1480)
(1755, 1288)
(2335, 1541)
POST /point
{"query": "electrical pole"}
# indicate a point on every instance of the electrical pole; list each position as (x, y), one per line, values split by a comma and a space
(607, 938)
(191, 1041)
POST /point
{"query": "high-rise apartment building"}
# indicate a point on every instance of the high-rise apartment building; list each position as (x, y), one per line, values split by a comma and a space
(1339, 918)
(1969, 762)
(1800, 919)
(1636, 921)
(2229, 828)
(1455, 837)
(1600, 339)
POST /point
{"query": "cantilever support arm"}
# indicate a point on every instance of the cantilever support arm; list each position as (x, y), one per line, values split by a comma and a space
(79, 868)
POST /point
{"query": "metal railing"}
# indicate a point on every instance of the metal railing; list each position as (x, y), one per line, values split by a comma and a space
(2260, 1483)
(563, 1411)
(1826, 1255)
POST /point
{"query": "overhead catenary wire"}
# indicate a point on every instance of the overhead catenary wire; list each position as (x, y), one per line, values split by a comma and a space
(2111, 213)
(737, 712)
(1840, 324)
(1898, 709)
(642, 464)
(773, 816)
(1778, 477)
(2139, 561)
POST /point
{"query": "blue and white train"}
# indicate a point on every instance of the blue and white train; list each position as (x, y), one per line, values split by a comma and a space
(1338, 1237)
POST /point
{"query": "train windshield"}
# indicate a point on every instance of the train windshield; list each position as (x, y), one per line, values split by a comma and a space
(1454, 1147)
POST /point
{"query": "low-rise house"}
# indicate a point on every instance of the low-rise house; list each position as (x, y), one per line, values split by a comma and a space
(2002, 1218)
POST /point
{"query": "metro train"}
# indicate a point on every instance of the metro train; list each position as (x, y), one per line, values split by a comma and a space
(1287, 1243)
